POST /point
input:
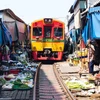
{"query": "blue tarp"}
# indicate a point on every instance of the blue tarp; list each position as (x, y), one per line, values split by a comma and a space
(5, 34)
(85, 33)
(70, 33)
(94, 21)
(77, 31)
(73, 35)
(92, 28)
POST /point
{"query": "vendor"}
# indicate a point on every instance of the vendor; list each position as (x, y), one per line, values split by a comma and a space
(5, 52)
(90, 56)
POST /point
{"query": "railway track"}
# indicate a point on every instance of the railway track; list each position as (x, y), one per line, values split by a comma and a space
(49, 86)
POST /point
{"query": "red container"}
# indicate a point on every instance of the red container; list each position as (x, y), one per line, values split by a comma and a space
(14, 71)
(7, 79)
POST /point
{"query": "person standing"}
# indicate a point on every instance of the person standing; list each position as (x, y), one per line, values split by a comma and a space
(91, 51)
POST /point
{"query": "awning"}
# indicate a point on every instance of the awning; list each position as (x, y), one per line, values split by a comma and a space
(73, 35)
(12, 27)
(94, 22)
(6, 35)
(94, 10)
(85, 33)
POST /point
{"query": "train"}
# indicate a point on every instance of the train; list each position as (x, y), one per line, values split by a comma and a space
(47, 39)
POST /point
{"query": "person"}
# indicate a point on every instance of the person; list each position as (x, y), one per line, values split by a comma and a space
(5, 52)
(90, 56)
(48, 34)
(96, 56)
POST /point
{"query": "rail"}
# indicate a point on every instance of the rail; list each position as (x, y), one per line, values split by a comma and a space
(35, 82)
(66, 90)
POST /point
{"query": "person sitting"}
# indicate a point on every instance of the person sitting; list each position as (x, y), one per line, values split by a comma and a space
(5, 53)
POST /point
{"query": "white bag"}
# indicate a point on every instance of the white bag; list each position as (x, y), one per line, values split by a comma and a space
(96, 68)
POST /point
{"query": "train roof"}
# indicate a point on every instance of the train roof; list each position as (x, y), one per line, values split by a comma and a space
(50, 18)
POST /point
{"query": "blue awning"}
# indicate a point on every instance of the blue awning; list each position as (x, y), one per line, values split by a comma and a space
(94, 10)
(5, 34)
(94, 22)
(85, 33)
(73, 35)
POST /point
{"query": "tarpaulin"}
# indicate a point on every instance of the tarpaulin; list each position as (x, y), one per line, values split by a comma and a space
(94, 22)
(70, 33)
(6, 35)
(21, 31)
(85, 33)
(73, 35)
(12, 27)
(92, 27)
(78, 32)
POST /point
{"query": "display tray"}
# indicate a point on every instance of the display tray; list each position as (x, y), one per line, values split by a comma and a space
(21, 87)
(16, 89)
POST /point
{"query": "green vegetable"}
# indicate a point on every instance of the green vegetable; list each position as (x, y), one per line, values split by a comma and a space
(23, 86)
(3, 81)
(15, 87)
(18, 82)
(74, 85)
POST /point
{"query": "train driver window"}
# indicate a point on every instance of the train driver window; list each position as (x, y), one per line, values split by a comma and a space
(37, 31)
(47, 31)
(58, 32)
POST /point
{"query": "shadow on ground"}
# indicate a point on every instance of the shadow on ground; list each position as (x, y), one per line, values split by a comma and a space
(48, 61)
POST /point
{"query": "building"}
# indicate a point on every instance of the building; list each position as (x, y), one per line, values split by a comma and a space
(81, 11)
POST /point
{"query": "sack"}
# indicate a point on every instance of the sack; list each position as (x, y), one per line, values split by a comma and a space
(96, 68)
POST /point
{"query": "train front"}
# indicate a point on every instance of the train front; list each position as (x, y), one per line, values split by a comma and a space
(47, 39)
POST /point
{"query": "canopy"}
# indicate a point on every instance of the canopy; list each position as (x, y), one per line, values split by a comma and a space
(73, 35)
(85, 33)
(94, 21)
(92, 28)
(5, 34)
(12, 27)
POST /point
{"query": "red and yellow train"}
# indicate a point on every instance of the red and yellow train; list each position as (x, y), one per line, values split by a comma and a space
(47, 39)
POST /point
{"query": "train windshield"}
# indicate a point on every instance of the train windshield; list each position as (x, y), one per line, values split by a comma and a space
(58, 32)
(37, 31)
(47, 31)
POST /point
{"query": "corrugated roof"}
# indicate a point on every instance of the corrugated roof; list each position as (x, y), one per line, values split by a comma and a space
(71, 10)
(11, 13)
(75, 3)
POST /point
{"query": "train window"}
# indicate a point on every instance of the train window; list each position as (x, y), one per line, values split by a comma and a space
(47, 31)
(37, 31)
(58, 32)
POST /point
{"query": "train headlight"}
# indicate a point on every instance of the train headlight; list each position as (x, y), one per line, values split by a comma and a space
(37, 37)
(48, 20)
(45, 20)
(58, 38)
